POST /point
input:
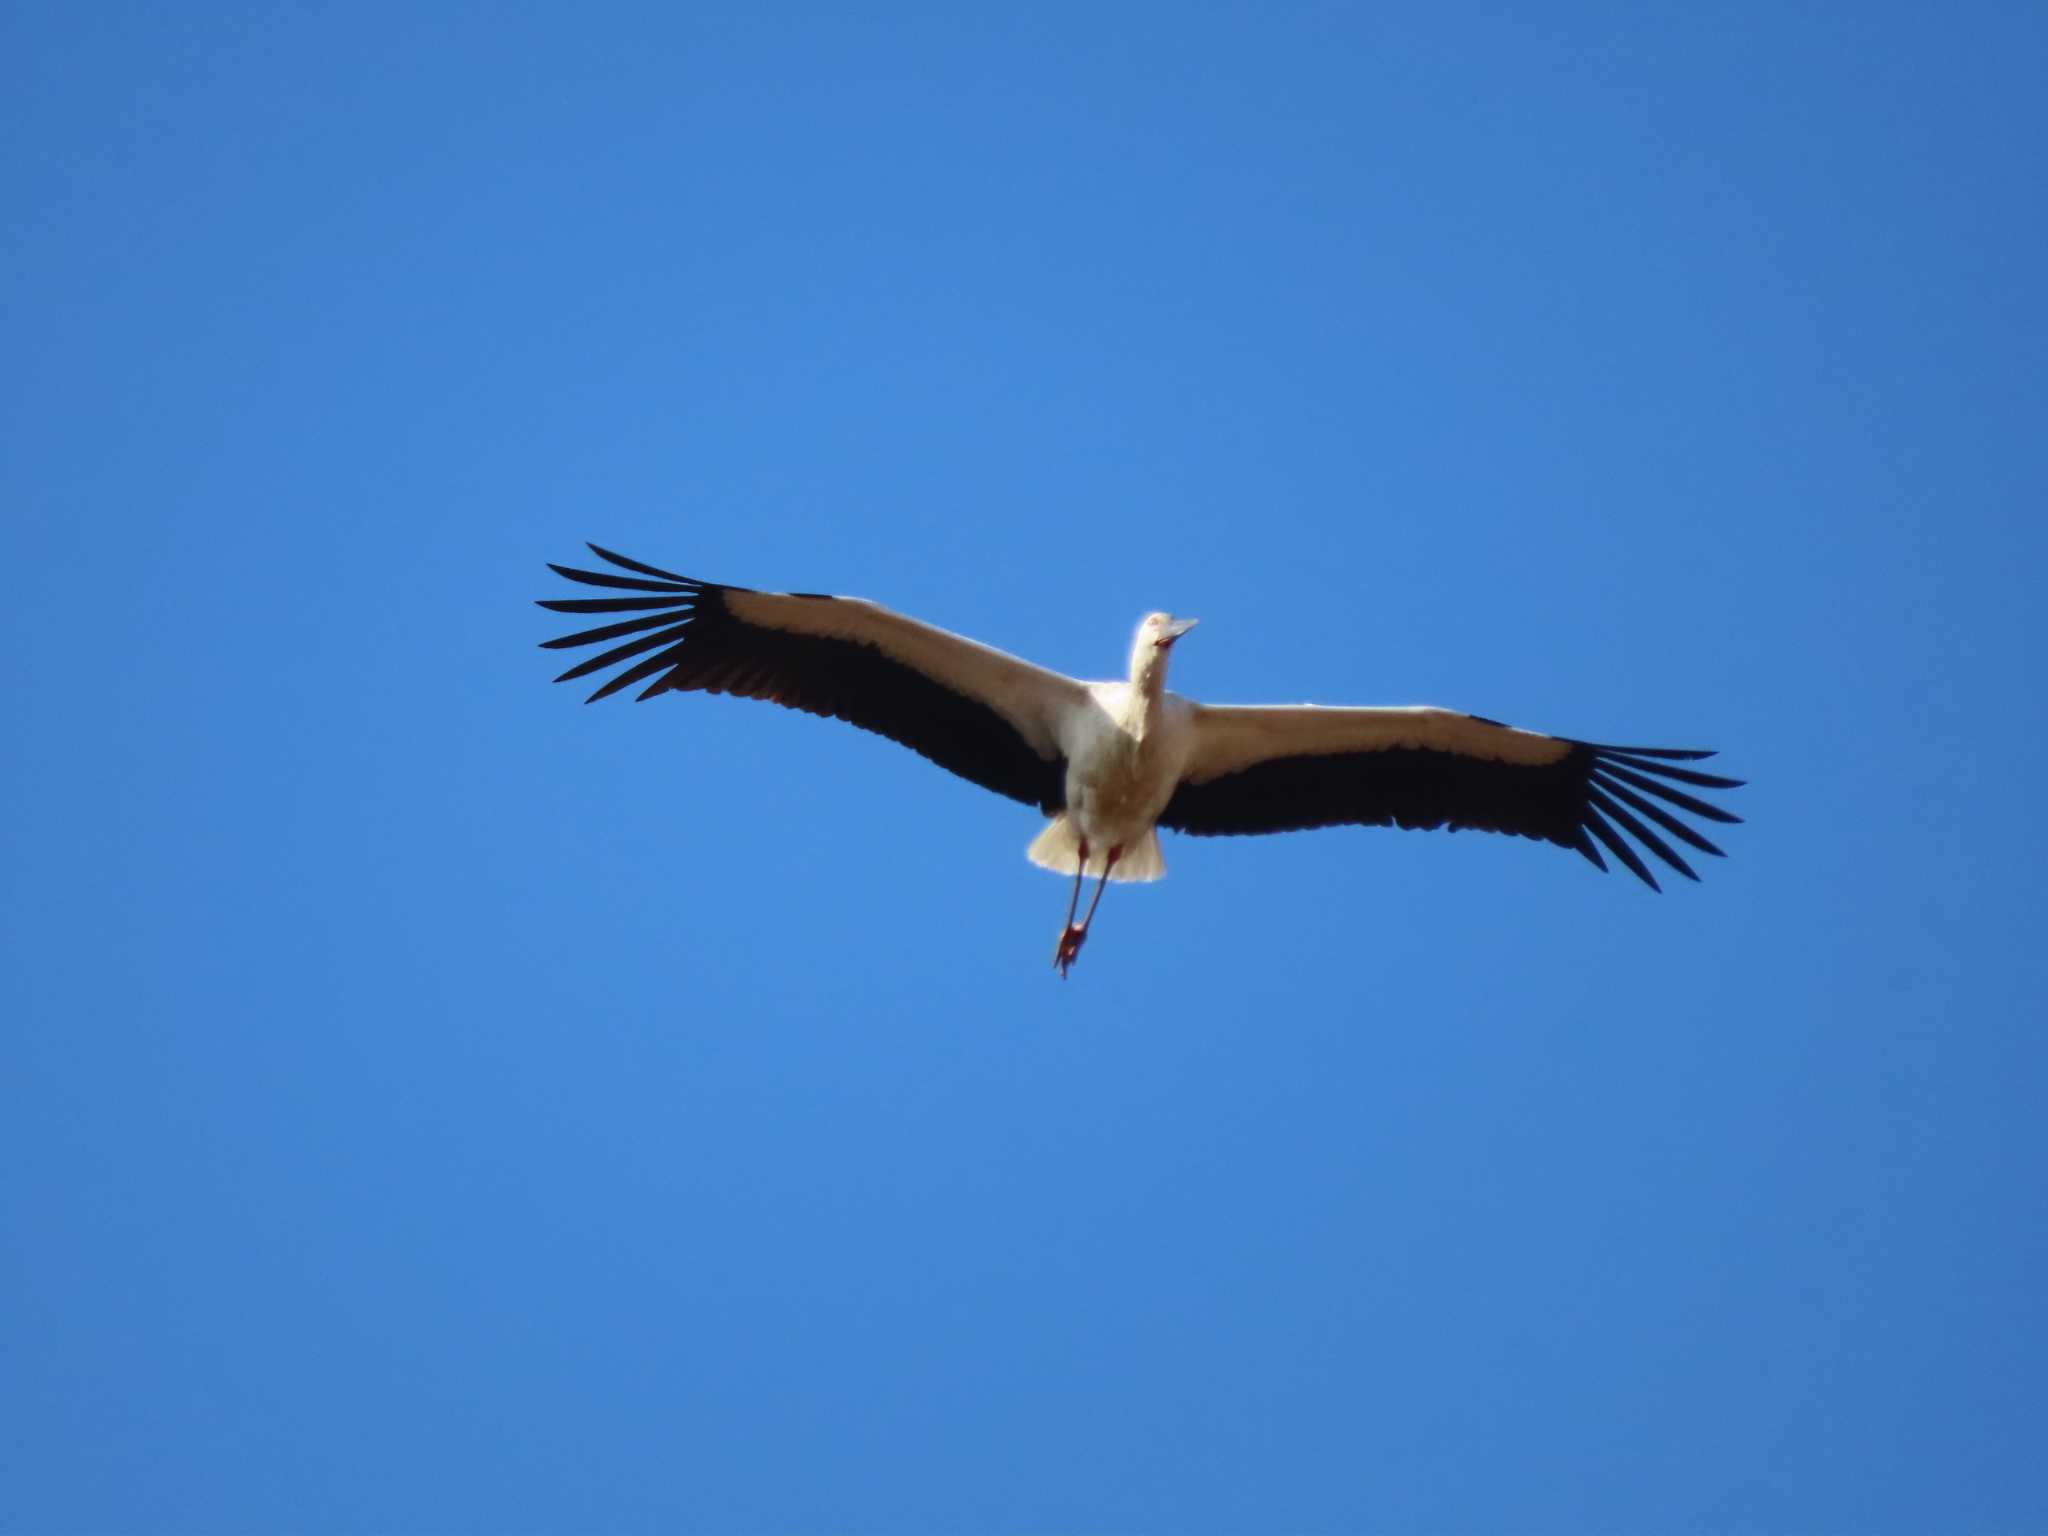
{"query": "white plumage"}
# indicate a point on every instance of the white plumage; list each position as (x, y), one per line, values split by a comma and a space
(1111, 762)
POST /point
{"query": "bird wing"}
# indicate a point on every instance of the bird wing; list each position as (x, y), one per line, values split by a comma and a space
(1283, 768)
(971, 709)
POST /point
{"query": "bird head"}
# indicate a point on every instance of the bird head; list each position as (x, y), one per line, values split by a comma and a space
(1160, 630)
(1151, 646)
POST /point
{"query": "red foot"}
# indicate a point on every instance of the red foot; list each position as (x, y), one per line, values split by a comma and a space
(1069, 950)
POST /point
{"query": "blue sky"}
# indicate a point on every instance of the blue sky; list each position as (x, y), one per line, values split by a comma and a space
(435, 1105)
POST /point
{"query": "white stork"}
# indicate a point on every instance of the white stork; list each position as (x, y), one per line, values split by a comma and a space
(1111, 763)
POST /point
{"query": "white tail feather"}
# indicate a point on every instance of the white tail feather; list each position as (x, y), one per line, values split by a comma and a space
(1058, 848)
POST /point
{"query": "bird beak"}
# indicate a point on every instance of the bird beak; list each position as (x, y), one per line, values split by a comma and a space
(1175, 630)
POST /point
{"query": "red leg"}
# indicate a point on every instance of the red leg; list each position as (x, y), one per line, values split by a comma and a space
(1070, 936)
(1073, 938)
(1080, 872)
(1109, 864)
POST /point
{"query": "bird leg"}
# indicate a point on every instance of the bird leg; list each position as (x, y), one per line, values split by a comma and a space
(1070, 941)
(1108, 864)
(1080, 874)
(1070, 936)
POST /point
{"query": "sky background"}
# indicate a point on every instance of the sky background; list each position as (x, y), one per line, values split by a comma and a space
(434, 1105)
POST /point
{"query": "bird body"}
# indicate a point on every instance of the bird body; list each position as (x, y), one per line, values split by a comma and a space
(1111, 762)
(1125, 753)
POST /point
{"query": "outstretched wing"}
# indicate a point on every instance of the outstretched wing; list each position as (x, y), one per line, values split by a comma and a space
(971, 709)
(1282, 769)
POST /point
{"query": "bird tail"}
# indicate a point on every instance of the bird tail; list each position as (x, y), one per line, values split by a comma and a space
(1058, 848)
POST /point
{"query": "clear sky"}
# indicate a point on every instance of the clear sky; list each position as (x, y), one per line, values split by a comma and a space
(434, 1105)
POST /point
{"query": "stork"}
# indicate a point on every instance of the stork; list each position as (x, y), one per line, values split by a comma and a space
(1111, 762)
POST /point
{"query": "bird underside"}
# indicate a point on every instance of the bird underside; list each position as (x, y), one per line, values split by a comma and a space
(1058, 848)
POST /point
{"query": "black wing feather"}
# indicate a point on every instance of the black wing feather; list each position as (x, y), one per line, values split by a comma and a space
(1572, 802)
(1656, 813)
(1622, 817)
(706, 647)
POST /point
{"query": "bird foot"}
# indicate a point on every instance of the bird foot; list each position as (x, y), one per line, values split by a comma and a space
(1069, 949)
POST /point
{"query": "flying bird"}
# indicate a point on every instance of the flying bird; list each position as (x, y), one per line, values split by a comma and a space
(1112, 762)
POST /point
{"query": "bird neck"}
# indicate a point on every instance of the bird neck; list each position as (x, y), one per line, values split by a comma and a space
(1148, 684)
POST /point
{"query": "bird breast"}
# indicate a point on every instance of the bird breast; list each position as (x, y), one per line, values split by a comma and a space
(1124, 765)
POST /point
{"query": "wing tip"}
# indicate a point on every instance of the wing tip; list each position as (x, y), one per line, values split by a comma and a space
(626, 564)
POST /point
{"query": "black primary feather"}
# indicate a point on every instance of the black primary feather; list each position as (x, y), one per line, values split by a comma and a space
(1580, 802)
